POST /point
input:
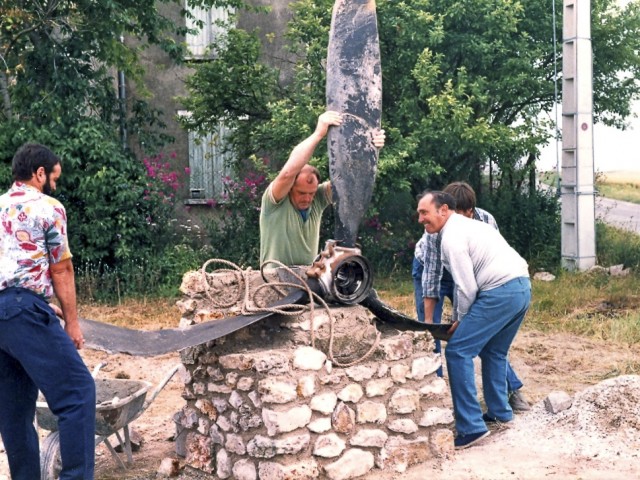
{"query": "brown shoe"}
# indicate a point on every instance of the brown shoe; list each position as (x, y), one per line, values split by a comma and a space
(518, 402)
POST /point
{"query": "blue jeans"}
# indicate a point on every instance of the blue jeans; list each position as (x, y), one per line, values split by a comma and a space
(36, 353)
(487, 330)
(446, 291)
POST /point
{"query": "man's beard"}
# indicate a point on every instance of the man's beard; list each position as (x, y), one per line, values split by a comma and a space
(46, 188)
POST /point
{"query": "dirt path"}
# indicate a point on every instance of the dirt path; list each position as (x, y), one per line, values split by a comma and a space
(532, 447)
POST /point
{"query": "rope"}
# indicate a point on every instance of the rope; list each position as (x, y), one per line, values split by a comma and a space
(245, 297)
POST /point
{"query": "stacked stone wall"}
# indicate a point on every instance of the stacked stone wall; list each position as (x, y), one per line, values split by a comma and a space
(263, 404)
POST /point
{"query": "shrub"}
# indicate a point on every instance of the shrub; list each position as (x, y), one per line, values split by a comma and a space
(389, 234)
(153, 275)
(615, 246)
(530, 222)
(235, 234)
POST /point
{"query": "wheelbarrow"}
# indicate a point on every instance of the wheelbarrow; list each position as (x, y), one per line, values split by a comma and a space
(118, 403)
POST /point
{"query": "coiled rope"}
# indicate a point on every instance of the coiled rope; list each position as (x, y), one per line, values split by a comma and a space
(246, 298)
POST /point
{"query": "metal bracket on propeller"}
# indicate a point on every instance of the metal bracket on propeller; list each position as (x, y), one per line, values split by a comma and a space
(344, 275)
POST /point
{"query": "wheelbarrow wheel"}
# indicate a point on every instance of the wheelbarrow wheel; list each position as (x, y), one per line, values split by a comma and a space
(50, 461)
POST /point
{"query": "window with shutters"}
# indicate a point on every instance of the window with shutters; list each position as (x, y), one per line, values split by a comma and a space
(209, 159)
(211, 26)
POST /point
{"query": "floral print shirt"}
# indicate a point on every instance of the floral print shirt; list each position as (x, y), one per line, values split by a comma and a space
(33, 235)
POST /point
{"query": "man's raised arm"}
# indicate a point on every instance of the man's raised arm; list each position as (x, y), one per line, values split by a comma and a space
(301, 155)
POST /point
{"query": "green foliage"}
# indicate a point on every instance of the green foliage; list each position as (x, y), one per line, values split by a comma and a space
(389, 236)
(615, 246)
(530, 222)
(464, 86)
(159, 274)
(58, 89)
(616, 64)
(592, 304)
(117, 211)
(5, 176)
(235, 235)
(627, 192)
(231, 88)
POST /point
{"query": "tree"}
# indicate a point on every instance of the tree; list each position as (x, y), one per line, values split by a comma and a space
(466, 84)
(57, 87)
(465, 81)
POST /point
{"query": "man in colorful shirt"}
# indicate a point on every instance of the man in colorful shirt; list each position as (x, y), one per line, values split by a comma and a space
(293, 203)
(435, 283)
(35, 352)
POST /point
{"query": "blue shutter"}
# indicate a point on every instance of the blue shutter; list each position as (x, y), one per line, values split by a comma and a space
(209, 164)
(215, 24)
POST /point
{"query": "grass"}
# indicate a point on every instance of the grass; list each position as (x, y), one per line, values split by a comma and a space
(137, 313)
(617, 246)
(594, 305)
(623, 186)
(397, 291)
(619, 185)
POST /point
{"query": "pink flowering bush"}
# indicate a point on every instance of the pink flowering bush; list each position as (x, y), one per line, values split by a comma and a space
(162, 185)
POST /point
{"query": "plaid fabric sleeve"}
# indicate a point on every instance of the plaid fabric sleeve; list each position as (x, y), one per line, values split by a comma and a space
(486, 217)
(432, 267)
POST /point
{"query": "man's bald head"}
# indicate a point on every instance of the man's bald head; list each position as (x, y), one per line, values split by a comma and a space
(305, 187)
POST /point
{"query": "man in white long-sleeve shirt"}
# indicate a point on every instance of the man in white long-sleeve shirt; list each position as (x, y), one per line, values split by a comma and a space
(491, 298)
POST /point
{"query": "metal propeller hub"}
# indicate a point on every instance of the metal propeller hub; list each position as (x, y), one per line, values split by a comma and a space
(345, 276)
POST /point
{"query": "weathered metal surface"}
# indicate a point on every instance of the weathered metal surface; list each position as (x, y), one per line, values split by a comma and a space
(354, 88)
(118, 402)
(399, 321)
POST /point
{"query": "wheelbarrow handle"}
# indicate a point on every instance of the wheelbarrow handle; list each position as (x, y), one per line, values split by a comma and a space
(160, 386)
(97, 368)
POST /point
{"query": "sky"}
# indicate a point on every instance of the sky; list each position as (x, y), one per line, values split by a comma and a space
(613, 149)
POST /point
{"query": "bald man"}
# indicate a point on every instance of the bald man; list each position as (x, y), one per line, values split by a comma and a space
(292, 205)
(492, 295)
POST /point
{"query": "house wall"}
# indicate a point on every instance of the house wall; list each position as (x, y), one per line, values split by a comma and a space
(271, 30)
(165, 83)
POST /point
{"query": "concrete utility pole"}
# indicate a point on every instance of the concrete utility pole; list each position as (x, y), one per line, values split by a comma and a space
(576, 187)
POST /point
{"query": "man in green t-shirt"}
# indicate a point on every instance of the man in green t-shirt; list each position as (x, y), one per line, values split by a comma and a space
(293, 203)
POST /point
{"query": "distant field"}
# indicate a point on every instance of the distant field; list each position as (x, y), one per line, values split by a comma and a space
(621, 176)
(618, 185)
